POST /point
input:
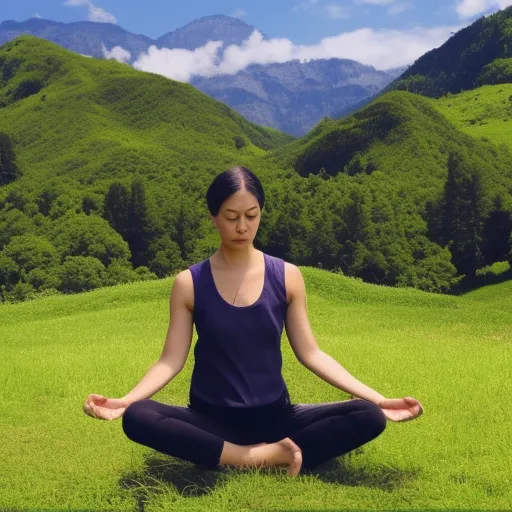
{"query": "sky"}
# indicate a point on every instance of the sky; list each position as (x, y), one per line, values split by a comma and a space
(380, 33)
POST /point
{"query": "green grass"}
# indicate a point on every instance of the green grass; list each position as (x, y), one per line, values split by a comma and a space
(451, 353)
(485, 112)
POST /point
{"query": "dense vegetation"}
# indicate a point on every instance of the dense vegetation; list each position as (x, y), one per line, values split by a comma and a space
(105, 170)
(477, 55)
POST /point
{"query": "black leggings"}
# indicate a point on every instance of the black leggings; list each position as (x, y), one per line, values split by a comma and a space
(322, 431)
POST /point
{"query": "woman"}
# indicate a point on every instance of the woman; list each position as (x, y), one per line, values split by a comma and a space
(239, 412)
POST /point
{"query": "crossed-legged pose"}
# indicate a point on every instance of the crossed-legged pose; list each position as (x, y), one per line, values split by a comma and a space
(239, 412)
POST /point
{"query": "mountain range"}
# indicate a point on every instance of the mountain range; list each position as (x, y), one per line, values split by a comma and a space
(290, 97)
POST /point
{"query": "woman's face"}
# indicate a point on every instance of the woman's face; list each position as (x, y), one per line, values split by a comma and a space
(239, 217)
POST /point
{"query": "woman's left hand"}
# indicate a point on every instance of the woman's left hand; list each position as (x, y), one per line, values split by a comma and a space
(401, 409)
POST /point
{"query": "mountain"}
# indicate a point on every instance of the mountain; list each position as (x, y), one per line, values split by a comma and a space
(208, 28)
(480, 54)
(476, 55)
(293, 96)
(87, 38)
(84, 37)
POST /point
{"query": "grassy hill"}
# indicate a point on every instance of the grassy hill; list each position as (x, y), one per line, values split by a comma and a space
(402, 135)
(86, 119)
(451, 353)
(483, 113)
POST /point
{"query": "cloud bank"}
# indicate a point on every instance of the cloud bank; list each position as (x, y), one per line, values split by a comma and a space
(382, 49)
(118, 53)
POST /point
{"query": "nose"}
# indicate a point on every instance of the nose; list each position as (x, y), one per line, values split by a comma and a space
(241, 227)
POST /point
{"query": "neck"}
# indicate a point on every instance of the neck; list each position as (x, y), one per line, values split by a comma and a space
(237, 259)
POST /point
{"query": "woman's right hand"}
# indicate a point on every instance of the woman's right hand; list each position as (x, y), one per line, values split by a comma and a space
(103, 408)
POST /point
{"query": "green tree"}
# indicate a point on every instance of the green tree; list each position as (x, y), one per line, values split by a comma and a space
(81, 273)
(14, 222)
(31, 251)
(89, 235)
(8, 169)
(116, 208)
(463, 212)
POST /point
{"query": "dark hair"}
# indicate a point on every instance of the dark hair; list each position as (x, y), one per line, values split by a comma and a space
(227, 183)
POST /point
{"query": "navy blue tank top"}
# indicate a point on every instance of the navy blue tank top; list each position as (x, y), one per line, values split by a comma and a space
(238, 351)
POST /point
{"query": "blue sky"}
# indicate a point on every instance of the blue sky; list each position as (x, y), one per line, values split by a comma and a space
(381, 33)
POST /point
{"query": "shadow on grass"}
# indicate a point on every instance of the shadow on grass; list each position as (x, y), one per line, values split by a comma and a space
(468, 284)
(190, 480)
(160, 473)
(340, 471)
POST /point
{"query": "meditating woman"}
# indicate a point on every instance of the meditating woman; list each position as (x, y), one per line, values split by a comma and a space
(239, 412)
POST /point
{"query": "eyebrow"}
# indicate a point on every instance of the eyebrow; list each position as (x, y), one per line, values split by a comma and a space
(230, 210)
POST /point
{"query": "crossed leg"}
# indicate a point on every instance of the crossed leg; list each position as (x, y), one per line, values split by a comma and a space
(307, 435)
(190, 435)
(328, 430)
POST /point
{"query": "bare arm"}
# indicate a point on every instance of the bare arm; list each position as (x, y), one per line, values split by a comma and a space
(306, 349)
(177, 343)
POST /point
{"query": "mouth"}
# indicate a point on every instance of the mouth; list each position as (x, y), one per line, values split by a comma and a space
(241, 240)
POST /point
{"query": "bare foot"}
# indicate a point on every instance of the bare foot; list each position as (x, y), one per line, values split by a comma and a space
(296, 456)
(276, 454)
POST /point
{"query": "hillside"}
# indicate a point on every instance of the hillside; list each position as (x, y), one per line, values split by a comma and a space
(476, 55)
(399, 134)
(412, 176)
(78, 117)
(484, 112)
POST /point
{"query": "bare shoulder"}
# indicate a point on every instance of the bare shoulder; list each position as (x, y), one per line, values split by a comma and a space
(183, 288)
(293, 281)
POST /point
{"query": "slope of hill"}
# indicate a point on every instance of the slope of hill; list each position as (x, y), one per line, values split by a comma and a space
(394, 194)
(400, 134)
(76, 116)
(476, 55)
(462, 63)
(484, 112)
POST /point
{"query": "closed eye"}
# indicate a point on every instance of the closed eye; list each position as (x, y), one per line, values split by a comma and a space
(253, 217)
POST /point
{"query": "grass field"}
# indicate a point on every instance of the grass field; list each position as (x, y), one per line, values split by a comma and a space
(485, 112)
(451, 353)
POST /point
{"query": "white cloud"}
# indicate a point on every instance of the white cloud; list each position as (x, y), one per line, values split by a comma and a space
(101, 16)
(383, 49)
(118, 53)
(238, 13)
(95, 13)
(470, 8)
(335, 11)
(37, 15)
